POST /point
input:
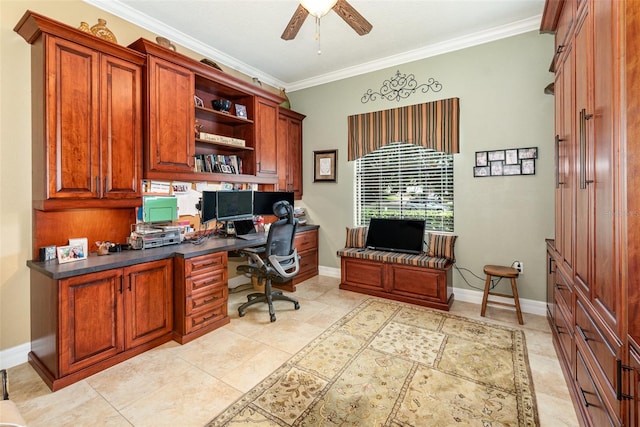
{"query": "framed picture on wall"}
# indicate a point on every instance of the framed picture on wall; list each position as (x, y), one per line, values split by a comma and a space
(324, 166)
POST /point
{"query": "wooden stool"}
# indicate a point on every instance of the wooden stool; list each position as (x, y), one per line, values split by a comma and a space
(508, 273)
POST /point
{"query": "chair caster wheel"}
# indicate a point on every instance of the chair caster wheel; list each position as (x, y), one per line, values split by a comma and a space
(273, 317)
(296, 306)
(241, 313)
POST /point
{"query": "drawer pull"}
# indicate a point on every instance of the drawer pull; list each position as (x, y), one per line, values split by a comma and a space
(559, 329)
(583, 335)
(619, 368)
(560, 287)
(584, 398)
(207, 301)
(205, 319)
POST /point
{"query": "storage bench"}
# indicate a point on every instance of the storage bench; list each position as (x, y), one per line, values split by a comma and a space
(422, 279)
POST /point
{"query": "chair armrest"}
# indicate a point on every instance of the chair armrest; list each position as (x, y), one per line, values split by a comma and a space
(254, 254)
(287, 266)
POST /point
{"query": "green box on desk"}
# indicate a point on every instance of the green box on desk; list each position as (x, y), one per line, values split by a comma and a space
(159, 208)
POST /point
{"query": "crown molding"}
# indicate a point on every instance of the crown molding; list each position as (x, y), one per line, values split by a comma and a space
(127, 13)
(493, 34)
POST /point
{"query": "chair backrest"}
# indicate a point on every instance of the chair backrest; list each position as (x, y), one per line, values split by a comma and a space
(282, 234)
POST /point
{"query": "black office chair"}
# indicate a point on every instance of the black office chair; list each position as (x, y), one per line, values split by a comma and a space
(277, 262)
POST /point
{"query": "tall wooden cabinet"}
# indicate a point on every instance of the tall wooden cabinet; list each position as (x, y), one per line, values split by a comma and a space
(593, 261)
(290, 150)
(87, 117)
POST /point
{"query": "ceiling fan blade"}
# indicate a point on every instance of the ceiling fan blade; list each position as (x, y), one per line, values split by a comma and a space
(295, 23)
(352, 17)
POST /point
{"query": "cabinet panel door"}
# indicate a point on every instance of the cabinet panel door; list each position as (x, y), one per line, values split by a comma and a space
(91, 312)
(148, 301)
(171, 135)
(606, 288)
(584, 153)
(121, 118)
(72, 83)
(266, 137)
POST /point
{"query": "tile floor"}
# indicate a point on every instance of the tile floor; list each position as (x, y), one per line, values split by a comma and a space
(189, 385)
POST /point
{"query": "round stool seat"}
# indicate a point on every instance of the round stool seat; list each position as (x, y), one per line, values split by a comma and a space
(501, 271)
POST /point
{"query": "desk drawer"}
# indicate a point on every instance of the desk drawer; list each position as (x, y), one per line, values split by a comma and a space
(205, 263)
(200, 320)
(563, 291)
(598, 348)
(308, 261)
(204, 282)
(306, 240)
(206, 300)
(564, 331)
(590, 397)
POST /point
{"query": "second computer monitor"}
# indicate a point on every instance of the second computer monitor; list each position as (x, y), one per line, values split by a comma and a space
(232, 205)
(263, 201)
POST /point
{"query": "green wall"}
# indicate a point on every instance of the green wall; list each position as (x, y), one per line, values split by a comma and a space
(502, 105)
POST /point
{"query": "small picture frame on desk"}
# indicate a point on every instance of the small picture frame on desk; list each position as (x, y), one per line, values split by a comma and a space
(70, 253)
(241, 111)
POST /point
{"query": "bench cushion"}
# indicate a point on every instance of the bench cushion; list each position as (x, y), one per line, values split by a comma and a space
(418, 260)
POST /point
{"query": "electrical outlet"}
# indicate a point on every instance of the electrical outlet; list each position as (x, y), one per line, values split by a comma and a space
(519, 265)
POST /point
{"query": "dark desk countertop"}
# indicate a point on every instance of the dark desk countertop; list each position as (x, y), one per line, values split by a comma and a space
(95, 263)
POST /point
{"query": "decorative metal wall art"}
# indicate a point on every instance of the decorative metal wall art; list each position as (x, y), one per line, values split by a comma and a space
(400, 86)
(513, 161)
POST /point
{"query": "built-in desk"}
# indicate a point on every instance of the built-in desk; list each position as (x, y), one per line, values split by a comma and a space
(91, 314)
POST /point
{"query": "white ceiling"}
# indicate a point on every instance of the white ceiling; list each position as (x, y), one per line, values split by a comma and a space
(245, 34)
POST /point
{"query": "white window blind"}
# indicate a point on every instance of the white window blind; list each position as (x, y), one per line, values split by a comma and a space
(403, 180)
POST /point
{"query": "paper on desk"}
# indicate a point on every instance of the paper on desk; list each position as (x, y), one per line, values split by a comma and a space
(187, 201)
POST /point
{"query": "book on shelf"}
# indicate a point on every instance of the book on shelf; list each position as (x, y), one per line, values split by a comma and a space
(222, 139)
(218, 163)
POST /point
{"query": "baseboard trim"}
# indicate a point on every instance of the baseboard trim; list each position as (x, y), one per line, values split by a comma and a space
(14, 356)
(526, 305)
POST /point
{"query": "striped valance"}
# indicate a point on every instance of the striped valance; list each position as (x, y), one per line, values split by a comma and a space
(433, 125)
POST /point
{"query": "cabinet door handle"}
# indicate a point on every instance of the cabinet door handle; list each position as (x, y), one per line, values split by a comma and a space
(619, 368)
(557, 159)
(582, 123)
(120, 284)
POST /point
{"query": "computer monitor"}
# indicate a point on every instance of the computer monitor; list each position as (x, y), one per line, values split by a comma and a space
(232, 205)
(208, 207)
(263, 201)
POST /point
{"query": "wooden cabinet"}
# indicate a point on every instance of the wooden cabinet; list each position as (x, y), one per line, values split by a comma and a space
(266, 138)
(290, 151)
(87, 117)
(170, 116)
(201, 295)
(596, 251)
(186, 138)
(98, 319)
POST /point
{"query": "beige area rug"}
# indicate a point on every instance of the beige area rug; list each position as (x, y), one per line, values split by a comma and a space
(391, 364)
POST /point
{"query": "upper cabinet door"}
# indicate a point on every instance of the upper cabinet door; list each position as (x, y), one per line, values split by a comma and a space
(72, 131)
(121, 116)
(171, 131)
(266, 137)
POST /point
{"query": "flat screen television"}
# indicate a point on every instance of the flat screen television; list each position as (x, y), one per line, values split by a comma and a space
(396, 235)
(232, 205)
(208, 207)
(263, 201)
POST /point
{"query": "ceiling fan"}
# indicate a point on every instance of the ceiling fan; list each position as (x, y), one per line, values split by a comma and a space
(318, 9)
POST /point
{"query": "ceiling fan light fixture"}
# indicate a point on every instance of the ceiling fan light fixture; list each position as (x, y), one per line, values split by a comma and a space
(318, 8)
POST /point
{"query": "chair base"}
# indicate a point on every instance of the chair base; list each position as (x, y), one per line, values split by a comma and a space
(267, 297)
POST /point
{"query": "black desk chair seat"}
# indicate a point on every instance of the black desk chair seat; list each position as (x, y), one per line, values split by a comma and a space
(277, 262)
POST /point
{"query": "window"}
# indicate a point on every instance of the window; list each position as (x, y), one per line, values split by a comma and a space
(403, 180)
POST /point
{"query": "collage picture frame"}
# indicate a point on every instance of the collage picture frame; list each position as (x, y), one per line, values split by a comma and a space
(507, 162)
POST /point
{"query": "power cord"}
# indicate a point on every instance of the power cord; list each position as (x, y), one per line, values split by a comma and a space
(494, 283)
